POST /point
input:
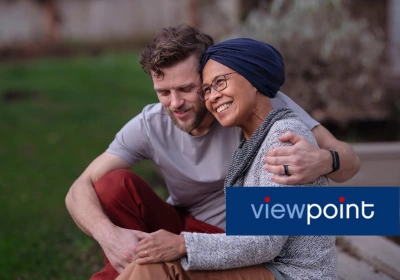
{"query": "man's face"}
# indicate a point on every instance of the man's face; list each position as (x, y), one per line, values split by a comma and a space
(177, 92)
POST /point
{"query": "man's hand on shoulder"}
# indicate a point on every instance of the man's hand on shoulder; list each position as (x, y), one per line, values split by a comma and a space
(119, 246)
(305, 161)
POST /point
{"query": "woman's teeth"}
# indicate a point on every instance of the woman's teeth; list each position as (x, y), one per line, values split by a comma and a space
(223, 107)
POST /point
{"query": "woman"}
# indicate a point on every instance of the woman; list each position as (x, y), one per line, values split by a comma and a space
(239, 76)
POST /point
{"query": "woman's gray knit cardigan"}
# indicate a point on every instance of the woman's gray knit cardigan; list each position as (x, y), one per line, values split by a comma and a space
(300, 257)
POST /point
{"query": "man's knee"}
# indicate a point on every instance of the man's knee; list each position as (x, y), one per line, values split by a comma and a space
(111, 188)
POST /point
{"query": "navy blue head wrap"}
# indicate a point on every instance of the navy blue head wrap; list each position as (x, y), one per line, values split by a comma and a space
(261, 64)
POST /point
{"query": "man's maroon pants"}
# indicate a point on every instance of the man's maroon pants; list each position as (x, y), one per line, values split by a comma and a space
(130, 203)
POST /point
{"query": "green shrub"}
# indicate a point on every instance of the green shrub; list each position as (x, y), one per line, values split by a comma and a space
(334, 63)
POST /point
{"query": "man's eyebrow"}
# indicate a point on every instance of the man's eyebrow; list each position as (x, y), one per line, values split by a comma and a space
(159, 89)
(188, 85)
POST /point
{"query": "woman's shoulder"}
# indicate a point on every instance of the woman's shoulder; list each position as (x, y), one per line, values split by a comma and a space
(293, 124)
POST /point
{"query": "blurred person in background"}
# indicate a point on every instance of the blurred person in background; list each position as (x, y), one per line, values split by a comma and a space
(192, 152)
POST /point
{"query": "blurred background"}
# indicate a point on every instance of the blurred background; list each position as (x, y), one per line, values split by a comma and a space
(70, 79)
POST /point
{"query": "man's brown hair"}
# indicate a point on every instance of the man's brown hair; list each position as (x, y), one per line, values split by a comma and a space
(172, 45)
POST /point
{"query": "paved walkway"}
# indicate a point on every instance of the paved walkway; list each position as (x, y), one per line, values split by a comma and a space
(380, 165)
(372, 257)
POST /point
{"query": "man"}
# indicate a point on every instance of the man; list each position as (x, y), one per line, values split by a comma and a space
(192, 152)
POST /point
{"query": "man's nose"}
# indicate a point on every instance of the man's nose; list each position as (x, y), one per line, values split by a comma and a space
(176, 100)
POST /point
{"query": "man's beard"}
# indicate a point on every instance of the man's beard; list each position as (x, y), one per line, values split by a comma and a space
(200, 113)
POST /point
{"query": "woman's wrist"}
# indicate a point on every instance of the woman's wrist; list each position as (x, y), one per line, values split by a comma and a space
(182, 245)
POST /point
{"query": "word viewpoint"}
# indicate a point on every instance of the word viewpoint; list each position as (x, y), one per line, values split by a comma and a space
(313, 210)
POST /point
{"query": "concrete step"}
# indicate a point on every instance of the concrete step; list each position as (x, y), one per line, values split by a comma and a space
(368, 253)
(380, 165)
(351, 268)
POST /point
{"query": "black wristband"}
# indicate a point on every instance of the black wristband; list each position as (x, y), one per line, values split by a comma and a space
(335, 161)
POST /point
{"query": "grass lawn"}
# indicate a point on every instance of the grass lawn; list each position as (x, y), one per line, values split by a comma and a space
(56, 115)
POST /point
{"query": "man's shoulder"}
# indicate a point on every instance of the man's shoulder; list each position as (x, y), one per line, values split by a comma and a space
(154, 109)
(281, 100)
(154, 113)
(152, 117)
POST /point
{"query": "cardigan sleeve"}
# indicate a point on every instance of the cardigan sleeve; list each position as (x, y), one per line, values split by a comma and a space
(218, 251)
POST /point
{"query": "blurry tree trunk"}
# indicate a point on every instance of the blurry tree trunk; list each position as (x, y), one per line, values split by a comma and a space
(246, 6)
(52, 20)
(194, 13)
(394, 36)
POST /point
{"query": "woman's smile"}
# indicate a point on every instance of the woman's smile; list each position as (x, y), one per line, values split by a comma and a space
(223, 107)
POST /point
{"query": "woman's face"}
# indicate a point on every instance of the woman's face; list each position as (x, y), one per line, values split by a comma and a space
(234, 105)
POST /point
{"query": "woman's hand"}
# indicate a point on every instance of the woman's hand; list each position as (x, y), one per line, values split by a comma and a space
(160, 246)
